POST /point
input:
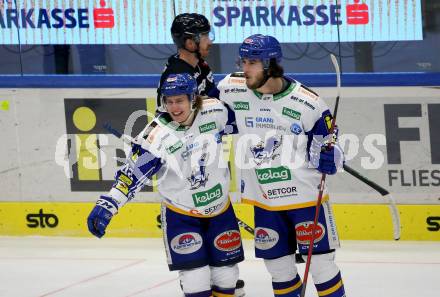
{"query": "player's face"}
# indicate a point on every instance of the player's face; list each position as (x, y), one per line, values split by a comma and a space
(253, 72)
(178, 107)
(205, 45)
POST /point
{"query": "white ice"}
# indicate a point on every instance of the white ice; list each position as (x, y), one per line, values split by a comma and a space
(114, 267)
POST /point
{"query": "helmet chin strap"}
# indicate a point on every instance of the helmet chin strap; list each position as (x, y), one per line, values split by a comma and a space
(189, 120)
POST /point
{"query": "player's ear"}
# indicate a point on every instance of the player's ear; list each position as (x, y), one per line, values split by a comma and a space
(190, 44)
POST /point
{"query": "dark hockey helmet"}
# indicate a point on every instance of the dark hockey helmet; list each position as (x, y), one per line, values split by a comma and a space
(189, 26)
(179, 84)
(261, 47)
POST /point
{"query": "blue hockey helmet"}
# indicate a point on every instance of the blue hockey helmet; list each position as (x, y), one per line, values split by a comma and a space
(179, 84)
(261, 47)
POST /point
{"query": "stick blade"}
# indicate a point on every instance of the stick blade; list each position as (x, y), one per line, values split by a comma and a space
(395, 217)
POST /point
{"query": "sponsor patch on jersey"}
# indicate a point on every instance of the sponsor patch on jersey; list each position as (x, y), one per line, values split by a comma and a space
(186, 243)
(228, 241)
(296, 115)
(174, 148)
(304, 102)
(206, 197)
(212, 209)
(328, 122)
(304, 231)
(235, 90)
(236, 80)
(295, 129)
(280, 193)
(207, 127)
(272, 175)
(241, 105)
(265, 238)
(210, 101)
(209, 111)
(309, 93)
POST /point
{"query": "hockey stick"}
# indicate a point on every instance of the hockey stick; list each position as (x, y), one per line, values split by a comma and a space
(395, 217)
(322, 183)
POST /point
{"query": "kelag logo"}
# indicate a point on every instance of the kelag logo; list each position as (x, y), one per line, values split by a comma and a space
(57, 18)
(92, 150)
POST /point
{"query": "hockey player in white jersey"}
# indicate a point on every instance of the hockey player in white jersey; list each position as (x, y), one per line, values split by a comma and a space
(288, 147)
(182, 146)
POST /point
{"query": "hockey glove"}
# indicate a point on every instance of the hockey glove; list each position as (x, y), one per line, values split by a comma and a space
(326, 155)
(101, 215)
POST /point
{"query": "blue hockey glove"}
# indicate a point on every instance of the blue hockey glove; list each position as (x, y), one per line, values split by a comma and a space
(330, 159)
(101, 215)
(326, 155)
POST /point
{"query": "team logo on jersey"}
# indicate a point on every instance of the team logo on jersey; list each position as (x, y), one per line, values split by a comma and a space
(304, 232)
(295, 128)
(241, 105)
(199, 177)
(266, 152)
(204, 198)
(265, 238)
(228, 241)
(272, 175)
(291, 113)
(186, 243)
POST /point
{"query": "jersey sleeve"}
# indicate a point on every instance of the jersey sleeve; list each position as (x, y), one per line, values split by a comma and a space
(320, 123)
(229, 121)
(140, 166)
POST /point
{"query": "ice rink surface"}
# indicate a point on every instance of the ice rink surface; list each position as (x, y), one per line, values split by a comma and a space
(114, 267)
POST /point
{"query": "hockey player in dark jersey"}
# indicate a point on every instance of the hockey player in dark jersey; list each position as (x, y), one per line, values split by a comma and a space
(193, 38)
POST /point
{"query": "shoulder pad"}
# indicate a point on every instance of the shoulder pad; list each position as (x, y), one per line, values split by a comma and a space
(210, 101)
(213, 107)
(236, 80)
(237, 74)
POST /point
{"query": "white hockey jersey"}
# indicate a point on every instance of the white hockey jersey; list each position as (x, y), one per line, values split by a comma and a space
(192, 176)
(275, 135)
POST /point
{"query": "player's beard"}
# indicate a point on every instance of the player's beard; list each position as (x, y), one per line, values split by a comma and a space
(257, 81)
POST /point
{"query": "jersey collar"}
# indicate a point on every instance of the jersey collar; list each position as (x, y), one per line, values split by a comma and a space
(278, 95)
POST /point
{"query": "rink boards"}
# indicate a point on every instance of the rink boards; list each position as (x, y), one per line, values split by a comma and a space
(355, 222)
(56, 156)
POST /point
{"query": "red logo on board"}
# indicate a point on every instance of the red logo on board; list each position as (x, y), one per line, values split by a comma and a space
(103, 18)
(357, 14)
